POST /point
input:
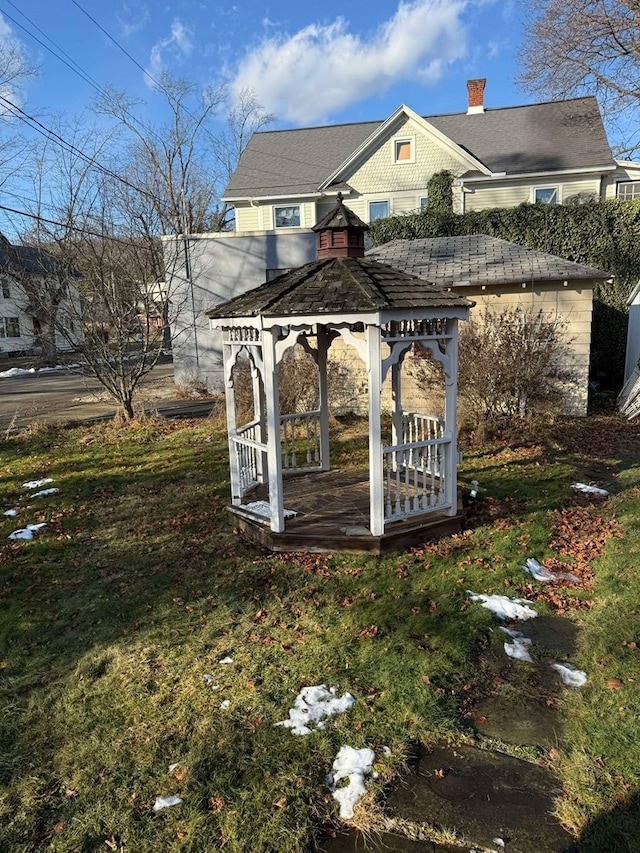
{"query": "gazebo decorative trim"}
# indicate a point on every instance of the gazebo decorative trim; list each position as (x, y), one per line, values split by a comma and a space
(383, 314)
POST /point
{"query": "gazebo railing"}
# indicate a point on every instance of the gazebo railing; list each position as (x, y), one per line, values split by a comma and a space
(417, 427)
(249, 452)
(414, 478)
(300, 441)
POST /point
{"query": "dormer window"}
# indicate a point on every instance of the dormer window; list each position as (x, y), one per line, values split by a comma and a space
(404, 150)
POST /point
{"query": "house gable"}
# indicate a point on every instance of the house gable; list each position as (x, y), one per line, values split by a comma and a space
(375, 167)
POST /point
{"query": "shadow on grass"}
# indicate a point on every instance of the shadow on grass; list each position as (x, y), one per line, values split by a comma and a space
(616, 831)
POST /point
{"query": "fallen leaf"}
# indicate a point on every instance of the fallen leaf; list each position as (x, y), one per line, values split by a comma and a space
(281, 802)
(613, 684)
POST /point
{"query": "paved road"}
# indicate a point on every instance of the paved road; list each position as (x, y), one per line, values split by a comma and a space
(63, 395)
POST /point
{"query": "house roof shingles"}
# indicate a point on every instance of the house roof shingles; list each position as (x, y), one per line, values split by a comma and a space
(551, 136)
(338, 286)
(477, 259)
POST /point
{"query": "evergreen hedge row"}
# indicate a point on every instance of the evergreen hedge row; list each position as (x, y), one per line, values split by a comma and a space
(605, 235)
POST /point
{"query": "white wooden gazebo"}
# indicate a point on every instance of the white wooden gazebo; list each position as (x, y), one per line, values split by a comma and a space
(382, 313)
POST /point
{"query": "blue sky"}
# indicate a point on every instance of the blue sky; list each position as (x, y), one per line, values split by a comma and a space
(306, 66)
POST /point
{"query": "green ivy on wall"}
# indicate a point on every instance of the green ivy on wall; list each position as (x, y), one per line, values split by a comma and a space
(604, 235)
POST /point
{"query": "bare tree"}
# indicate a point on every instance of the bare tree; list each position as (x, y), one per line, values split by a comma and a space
(579, 47)
(186, 162)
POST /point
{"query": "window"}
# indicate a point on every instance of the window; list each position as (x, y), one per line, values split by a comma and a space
(628, 190)
(9, 327)
(403, 151)
(546, 195)
(6, 290)
(378, 210)
(424, 201)
(287, 217)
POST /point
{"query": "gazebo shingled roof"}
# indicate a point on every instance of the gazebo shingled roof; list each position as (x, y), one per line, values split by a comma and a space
(335, 286)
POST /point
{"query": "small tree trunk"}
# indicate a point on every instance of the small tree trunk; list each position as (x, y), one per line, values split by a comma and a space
(47, 340)
(127, 409)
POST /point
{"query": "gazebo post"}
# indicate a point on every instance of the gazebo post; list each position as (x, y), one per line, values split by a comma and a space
(274, 454)
(376, 493)
(228, 360)
(450, 421)
(396, 403)
(323, 394)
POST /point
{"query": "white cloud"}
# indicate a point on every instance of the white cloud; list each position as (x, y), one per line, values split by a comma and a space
(132, 20)
(176, 46)
(15, 66)
(321, 69)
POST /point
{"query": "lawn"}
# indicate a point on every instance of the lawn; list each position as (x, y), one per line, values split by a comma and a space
(138, 587)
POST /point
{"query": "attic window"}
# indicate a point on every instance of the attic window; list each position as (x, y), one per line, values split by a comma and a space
(287, 217)
(403, 150)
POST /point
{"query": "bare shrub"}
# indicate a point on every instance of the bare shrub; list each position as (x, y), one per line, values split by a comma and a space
(512, 364)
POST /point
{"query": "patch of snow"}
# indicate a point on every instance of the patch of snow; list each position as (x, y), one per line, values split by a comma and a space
(312, 705)
(386, 751)
(35, 484)
(263, 509)
(354, 765)
(518, 649)
(16, 371)
(226, 660)
(590, 490)
(209, 681)
(503, 607)
(27, 532)
(10, 512)
(172, 767)
(225, 705)
(44, 492)
(539, 573)
(570, 676)
(165, 802)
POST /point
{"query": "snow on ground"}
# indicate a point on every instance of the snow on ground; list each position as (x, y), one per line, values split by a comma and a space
(44, 492)
(10, 512)
(570, 676)
(354, 765)
(210, 681)
(29, 371)
(590, 490)
(263, 509)
(27, 532)
(16, 371)
(312, 705)
(165, 802)
(35, 484)
(543, 575)
(226, 660)
(517, 649)
(503, 607)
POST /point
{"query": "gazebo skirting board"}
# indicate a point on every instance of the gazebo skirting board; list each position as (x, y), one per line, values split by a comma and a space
(332, 514)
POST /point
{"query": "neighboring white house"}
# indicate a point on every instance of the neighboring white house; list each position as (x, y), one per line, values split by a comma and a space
(287, 180)
(20, 329)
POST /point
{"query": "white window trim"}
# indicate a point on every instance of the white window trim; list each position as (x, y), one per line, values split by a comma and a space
(378, 201)
(412, 142)
(635, 183)
(555, 187)
(277, 207)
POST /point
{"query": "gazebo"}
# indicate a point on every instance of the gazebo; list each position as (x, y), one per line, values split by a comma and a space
(284, 493)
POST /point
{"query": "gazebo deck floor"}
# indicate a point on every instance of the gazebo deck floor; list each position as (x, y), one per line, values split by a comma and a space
(332, 514)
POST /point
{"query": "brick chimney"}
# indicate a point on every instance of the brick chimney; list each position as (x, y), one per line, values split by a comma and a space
(475, 89)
